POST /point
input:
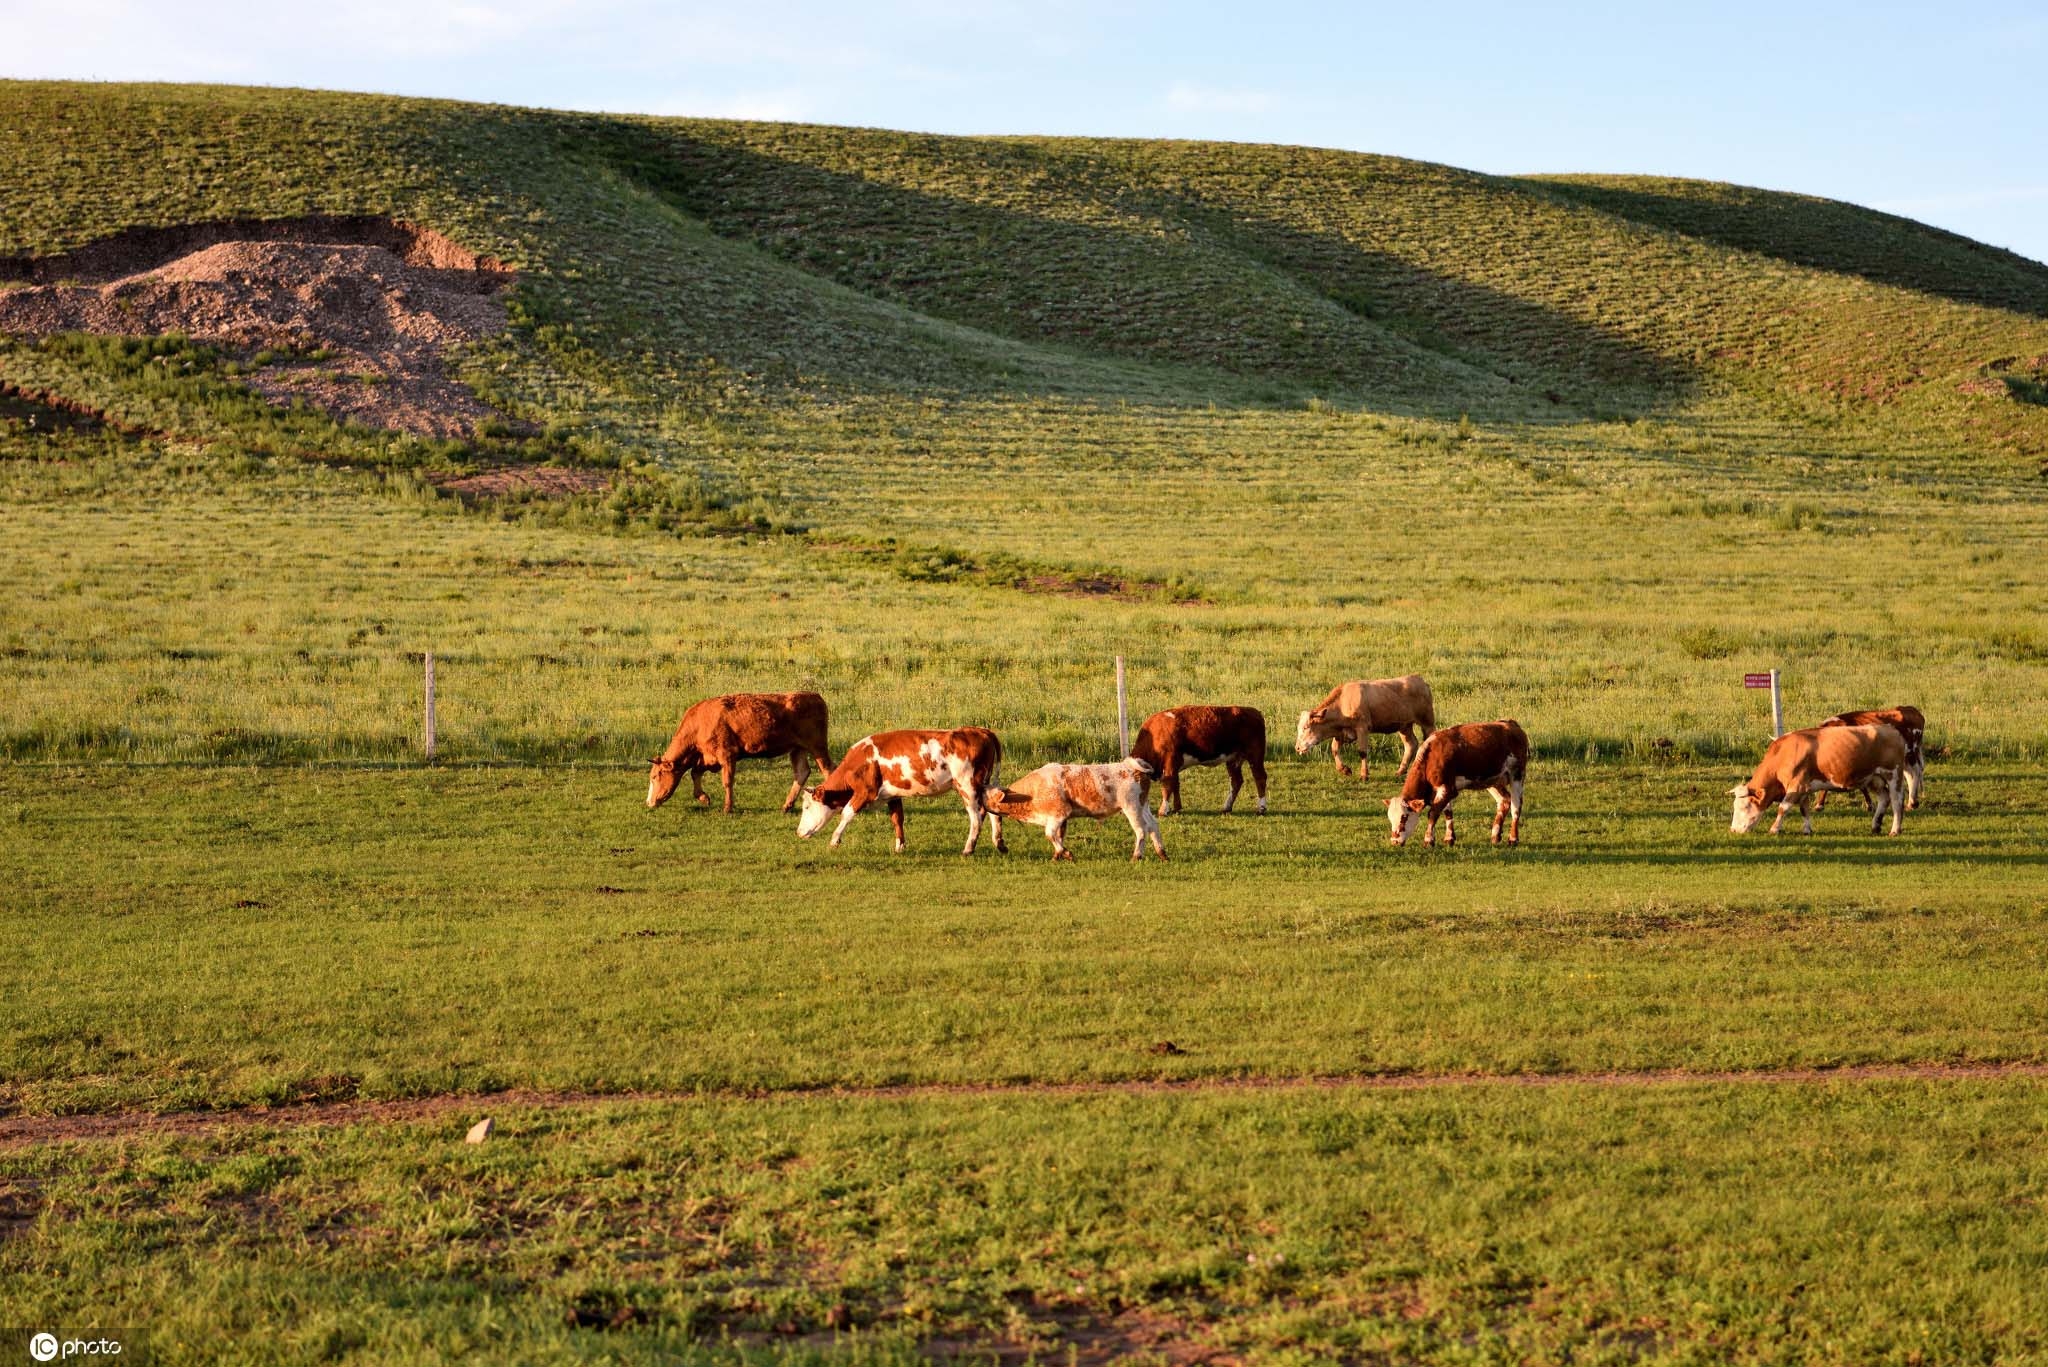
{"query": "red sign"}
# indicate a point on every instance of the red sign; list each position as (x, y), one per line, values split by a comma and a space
(1756, 681)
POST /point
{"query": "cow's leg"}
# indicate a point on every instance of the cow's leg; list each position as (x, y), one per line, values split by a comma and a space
(1500, 810)
(1450, 831)
(1805, 804)
(697, 786)
(971, 795)
(1337, 755)
(1169, 788)
(1821, 800)
(853, 804)
(1056, 832)
(1408, 748)
(1142, 826)
(1235, 768)
(1915, 776)
(1362, 738)
(1515, 812)
(725, 768)
(1259, 779)
(1891, 794)
(1784, 805)
(800, 769)
(896, 821)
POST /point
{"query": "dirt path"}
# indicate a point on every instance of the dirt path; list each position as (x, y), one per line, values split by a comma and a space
(18, 1131)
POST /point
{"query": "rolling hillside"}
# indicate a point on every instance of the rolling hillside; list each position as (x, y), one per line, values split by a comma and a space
(718, 268)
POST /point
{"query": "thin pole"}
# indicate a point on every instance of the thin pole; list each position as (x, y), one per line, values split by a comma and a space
(1123, 712)
(429, 729)
(1777, 707)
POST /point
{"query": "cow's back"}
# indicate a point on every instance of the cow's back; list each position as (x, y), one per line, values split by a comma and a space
(1473, 751)
(1847, 755)
(767, 723)
(1202, 732)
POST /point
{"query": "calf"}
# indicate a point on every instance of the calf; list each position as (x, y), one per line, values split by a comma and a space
(1912, 728)
(718, 732)
(893, 765)
(1181, 737)
(1051, 794)
(1483, 754)
(1840, 759)
(1361, 709)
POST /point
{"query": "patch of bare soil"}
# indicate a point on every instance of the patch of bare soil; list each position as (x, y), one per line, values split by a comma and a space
(1074, 1335)
(549, 480)
(17, 1131)
(383, 300)
(1086, 586)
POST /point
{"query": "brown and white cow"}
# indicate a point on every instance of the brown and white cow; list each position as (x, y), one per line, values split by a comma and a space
(1483, 754)
(1364, 708)
(1839, 759)
(1188, 737)
(718, 732)
(1911, 725)
(1053, 794)
(893, 765)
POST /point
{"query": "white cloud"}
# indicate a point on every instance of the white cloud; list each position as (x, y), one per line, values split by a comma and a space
(1185, 97)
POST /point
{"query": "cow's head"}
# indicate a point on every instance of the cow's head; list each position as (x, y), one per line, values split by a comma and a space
(661, 780)
(1749, 805)
(819, 804)
(1403, 816)
(1308, 730)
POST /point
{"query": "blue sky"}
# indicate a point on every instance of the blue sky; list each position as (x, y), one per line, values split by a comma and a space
(1942, 117)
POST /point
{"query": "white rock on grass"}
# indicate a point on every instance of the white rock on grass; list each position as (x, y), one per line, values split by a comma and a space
(479, 1132)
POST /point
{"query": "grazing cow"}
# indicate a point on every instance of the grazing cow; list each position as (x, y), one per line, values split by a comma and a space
(1181, 737)
(718, 732)
(1912, 728)
(1483, 754)
(1840, 759)
(1362, 709)
(1051, 794)
(894, 765)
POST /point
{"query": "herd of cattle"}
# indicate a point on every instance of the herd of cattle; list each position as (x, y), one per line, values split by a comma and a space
(1877, 754)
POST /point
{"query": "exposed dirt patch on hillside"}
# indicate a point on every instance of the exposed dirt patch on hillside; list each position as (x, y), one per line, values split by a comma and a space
(362, 308)
(550, 481)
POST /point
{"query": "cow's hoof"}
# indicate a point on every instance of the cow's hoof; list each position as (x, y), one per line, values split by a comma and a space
(704, 799)
(1058, 855)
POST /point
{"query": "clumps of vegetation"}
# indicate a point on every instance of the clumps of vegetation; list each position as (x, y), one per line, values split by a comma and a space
(1708, 642)
(930, 564)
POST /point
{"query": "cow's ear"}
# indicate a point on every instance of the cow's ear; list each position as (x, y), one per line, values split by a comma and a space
(656, 760)
(1416, 804)
(833, 797)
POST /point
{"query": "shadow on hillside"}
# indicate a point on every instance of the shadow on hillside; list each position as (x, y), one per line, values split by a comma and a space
(1830, 236)
(1401, 335)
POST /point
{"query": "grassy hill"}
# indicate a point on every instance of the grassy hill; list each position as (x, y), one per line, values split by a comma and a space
(727, 264)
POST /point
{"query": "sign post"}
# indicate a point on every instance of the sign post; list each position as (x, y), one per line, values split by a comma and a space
(1770, 681)
(1123, 714)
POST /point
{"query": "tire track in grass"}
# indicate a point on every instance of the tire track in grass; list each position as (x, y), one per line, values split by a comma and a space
(20, 1130)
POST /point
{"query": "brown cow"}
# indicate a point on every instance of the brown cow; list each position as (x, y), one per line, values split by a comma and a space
(893, 765)
(1053, 794)
(1362, 709)
(1181, 737)
(718, 732)
(1840, 759)
(1483, 754)
(1912, 728)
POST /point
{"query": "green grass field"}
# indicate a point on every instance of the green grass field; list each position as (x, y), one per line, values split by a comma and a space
(1582, 451)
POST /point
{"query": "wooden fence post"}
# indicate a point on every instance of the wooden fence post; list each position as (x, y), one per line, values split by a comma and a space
(1777, 708)
(1123, 713)
(429, 726)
